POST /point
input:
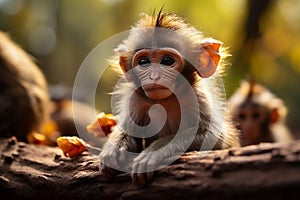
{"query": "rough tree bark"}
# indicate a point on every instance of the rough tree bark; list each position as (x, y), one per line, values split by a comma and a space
(262, 171)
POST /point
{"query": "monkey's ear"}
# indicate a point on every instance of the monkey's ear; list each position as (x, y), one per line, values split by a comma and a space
(274, 115)
(122, 63)
(209, 58)
(121, 52)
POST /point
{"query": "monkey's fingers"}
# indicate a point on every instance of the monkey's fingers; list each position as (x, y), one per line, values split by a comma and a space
(141, 174)
(109, 173)
(134, 174)
(137, 175)
(149, 176)
(134, 179)
(139, 179)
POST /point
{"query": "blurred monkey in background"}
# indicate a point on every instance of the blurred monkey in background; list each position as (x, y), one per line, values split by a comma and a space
(24, 99)
(28, 110)
(259, 114)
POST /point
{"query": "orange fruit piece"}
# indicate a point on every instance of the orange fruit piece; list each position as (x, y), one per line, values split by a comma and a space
(103, 125)
(71, 146)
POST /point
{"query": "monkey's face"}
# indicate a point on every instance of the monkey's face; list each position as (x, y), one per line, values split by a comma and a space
(253, 122)
(157, 70)
(154, 60)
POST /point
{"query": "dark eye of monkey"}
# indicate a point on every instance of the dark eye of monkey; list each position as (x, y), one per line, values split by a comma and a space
(242, 116)
(168, 61)
(144, 62)
(256, 115)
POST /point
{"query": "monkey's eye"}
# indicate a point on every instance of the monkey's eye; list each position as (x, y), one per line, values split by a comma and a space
(242, 117)
(256, 115)
(168, 61)
(144, 62)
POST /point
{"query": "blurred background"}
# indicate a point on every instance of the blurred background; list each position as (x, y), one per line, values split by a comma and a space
(263, 37)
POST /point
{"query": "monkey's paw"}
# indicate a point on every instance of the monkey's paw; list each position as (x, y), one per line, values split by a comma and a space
(108, 172)
(109, 162)
(143, 167)
(111, 159)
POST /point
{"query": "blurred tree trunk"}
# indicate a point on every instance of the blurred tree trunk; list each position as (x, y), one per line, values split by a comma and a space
(250, 34)
(265, 171)
(256, 10)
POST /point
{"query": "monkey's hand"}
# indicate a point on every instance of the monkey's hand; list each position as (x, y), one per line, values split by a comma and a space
(150, 160)
(114, 156)
(108, 161)
(162, 152)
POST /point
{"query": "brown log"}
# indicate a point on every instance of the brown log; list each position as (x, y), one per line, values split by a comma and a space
(264, 171)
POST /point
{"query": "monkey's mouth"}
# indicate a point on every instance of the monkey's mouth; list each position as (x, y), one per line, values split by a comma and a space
(156, 91)
(154, 86)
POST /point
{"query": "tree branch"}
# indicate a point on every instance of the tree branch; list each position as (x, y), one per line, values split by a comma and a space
(261, 171)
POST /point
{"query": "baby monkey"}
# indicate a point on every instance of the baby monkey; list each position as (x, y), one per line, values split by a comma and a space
(163, 107)
(259, 114)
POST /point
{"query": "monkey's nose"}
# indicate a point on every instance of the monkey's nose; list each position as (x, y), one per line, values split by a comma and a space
(154, 76)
